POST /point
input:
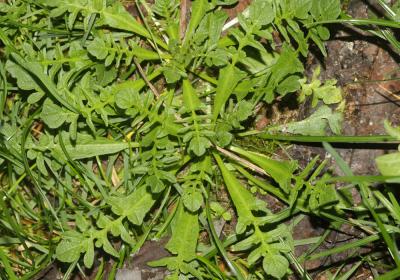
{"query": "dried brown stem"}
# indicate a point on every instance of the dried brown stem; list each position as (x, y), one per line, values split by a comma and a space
(182, 21)
(144, 76)
(242, 161)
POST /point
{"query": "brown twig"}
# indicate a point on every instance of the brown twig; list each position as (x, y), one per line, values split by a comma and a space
(182, 20)
(152, 88)
(389, 92)
(144, 76)
(242, 161)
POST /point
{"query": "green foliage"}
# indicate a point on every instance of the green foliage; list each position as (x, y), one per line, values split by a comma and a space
(116, 130)
(314, 125)
(105, 48)
(182, 245)
(267, 245)
(328, 93)
(389, 164)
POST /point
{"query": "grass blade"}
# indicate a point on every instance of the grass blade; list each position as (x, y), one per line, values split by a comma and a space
(319, 139)
(7, 267)
(364, 194)
(232, 266)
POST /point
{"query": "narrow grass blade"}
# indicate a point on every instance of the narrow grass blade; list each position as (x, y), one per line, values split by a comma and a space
(360, 21)
(394, 274)
(143, 238)
(211, 267)
(43, 198)
(91, 23)
(345, 247)
(350, 272)
(319, 139)
(363, 190)
(232, 266)
(3, 96)
(7, 267)
(388, 205)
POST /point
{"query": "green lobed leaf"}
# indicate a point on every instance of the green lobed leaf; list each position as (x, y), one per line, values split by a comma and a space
(192, 198)
(301, 8)
(24, 80)
(108, 248)
(69, 250)
(54, 116)
(126, 98)
(290, 84)
(261, 12)
(134, 206)
(98, 48)
(287, 63)
(42, 80)
(184, 238)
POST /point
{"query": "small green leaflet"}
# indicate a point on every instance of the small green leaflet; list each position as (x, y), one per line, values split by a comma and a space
(392, 131)
(192, 198)
(199, 145)
(389, 165)
(328, 92)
